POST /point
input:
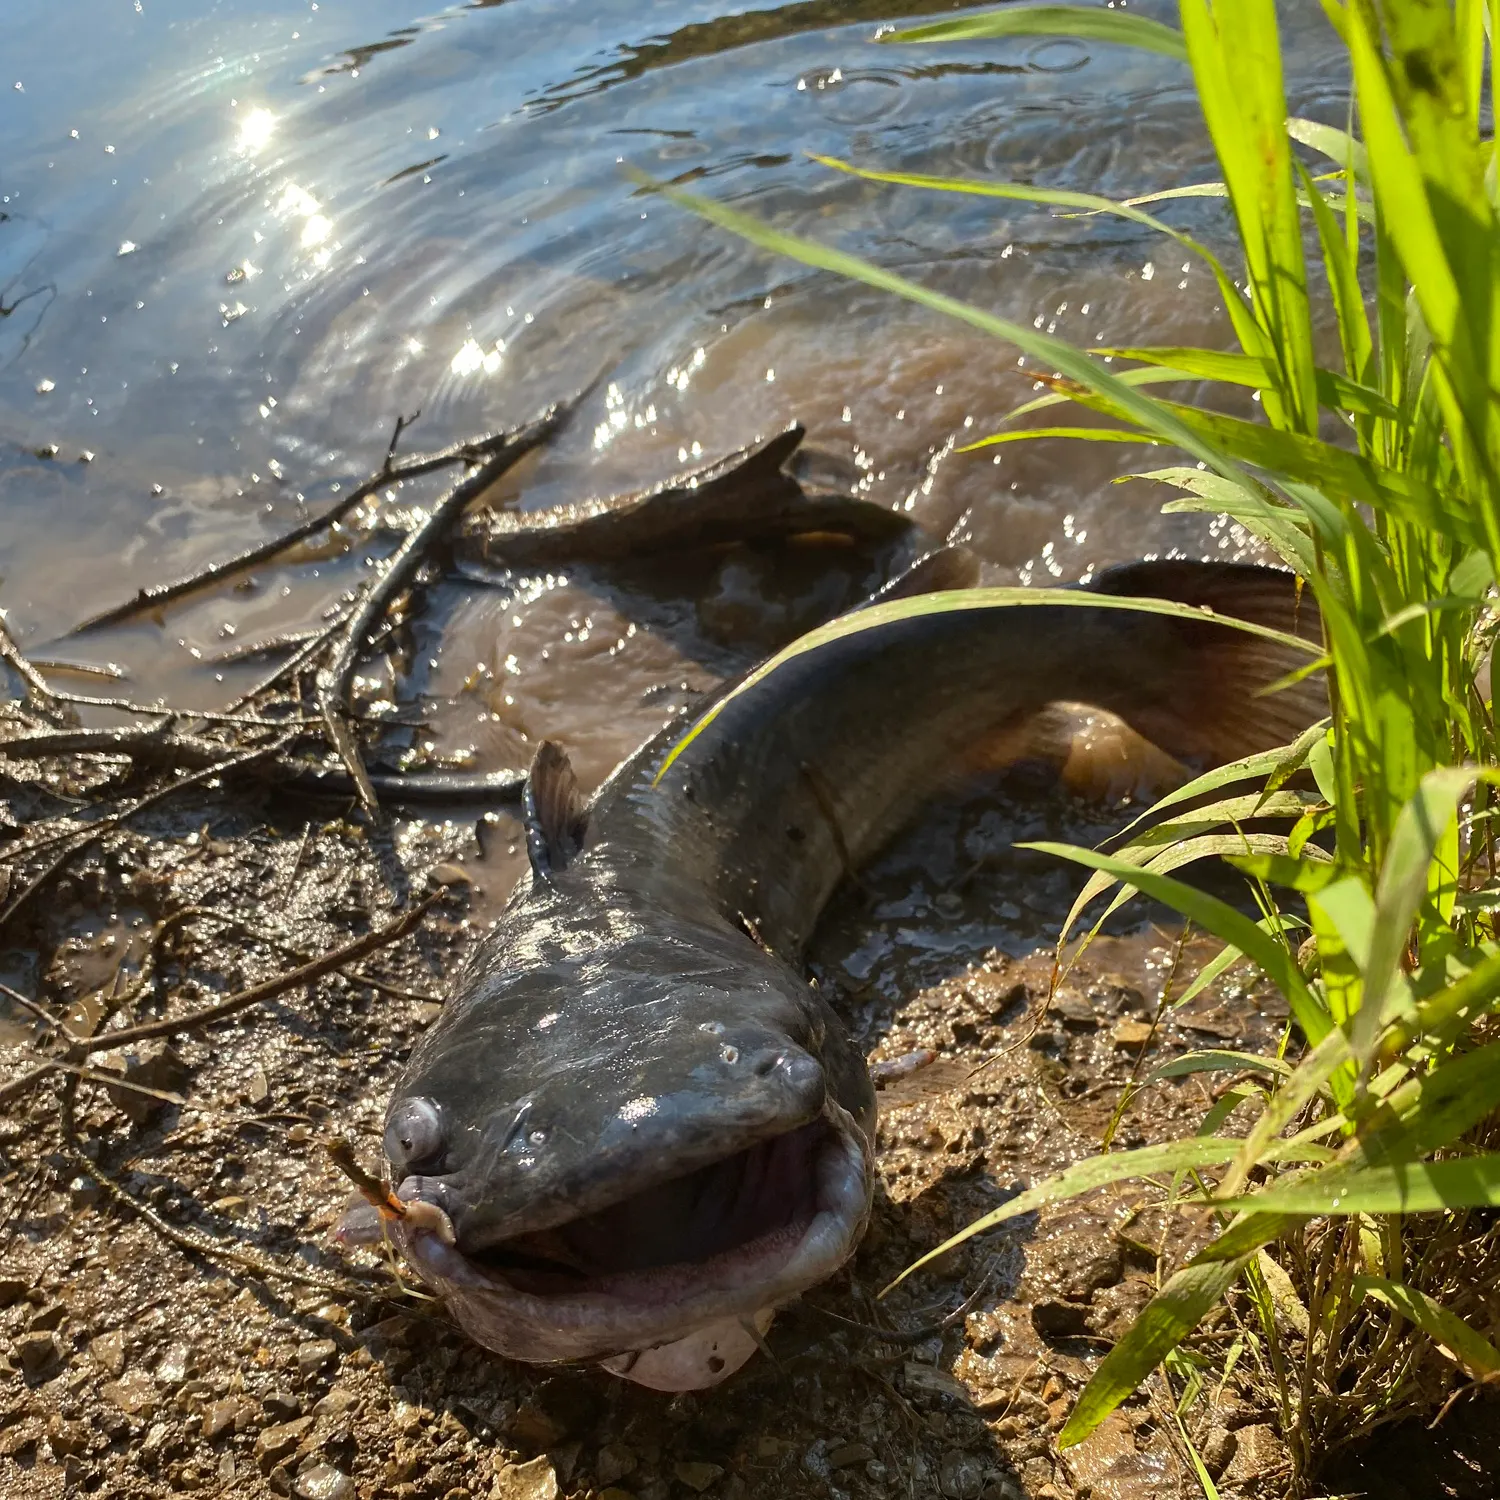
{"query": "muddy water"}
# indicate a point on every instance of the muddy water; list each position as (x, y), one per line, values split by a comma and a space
(237, 240)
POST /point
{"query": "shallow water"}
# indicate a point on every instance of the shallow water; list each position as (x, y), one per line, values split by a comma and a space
(237, 240)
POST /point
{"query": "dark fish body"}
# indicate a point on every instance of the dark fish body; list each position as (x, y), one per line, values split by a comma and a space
(748, 496)
(637, 1128)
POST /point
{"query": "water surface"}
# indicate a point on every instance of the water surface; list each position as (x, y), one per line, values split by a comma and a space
(237, 240)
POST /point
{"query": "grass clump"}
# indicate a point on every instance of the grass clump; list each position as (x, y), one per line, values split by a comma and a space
(1349, 1231)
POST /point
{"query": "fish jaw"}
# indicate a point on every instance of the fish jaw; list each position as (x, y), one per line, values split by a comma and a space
(675, 1327)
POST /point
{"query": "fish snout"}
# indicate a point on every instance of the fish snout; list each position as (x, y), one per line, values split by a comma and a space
(794, 1075)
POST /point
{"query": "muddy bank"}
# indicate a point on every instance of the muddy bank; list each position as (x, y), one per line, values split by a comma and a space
(142, 1366)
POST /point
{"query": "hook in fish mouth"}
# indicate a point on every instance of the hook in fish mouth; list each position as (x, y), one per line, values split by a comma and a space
(671, 1287)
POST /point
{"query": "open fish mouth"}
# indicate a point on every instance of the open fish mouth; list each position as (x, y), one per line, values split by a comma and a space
(670, 1286)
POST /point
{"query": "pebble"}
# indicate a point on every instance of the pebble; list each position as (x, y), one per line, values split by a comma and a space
(135, 1394)
(1218, 1449)
(40, 1355)
(615, 1461)
(276, 1442)
(222, 1415)
(108, 1351)
(314, 1354)
(335, 1403)
(961, 1475)
(282, 1406)
(47, 1319)
(849, 1453)
(324, 1482)
(1074, 1010)
(533, 1481)
(697, 1476)
(1130, 1034)
(174, 1364)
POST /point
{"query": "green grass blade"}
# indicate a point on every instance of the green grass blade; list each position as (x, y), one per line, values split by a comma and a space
(1220, 1060)
(1403, 884)
(1168, 1318)
(1051, 352)
(1092, 25)
(1186, 1155)
(1401, 1188)
(1466, 1344)
(1215, 916)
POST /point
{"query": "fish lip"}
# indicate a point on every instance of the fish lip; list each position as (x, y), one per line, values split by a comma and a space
(641, 1310)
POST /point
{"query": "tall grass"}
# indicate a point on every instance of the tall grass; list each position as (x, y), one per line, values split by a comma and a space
(1342, 1211)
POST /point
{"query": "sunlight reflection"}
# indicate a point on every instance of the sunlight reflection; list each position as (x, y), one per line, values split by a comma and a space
(256, 129)
(471, 358)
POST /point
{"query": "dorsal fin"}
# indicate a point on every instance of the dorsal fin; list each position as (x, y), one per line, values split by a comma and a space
(556, 811)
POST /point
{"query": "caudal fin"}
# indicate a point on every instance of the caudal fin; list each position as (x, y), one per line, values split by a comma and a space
(1202, 693)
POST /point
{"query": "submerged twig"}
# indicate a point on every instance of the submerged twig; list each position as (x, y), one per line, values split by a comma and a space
(335, 677)
(155, 595)
(11, 653)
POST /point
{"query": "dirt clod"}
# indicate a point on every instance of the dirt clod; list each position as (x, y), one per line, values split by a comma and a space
(530, 1481)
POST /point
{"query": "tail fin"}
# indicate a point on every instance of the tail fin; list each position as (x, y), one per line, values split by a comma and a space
(1206, 699)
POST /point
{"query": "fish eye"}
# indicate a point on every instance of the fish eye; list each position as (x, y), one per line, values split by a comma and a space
(414, 1134)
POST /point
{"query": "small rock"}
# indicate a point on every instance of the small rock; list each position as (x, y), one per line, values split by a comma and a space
(1007, 1488)
(153, 1065)
(533, 1481)
(1074, 1010)
(1218, 1449)
(313, 1355)
(174, 1365)
(1055, 1319)
(108, 1351)
(221, 1416)
(12, 1289)
(47, 1319)
(135, 1394)
(697, 1476)
(17, 1441)
(1260, 1461)
(84, 1192)
(615, 1461)
(1036, 1472)
(279, 1480)
(40, 1356)
(282, 1406)
(849, 1453)
(960, 1475)
(67, 1438)
(335, 1403)
(1129, 1035)
(532, 1427)
(324, 1482)
(259, 1089)
(275, 1443)
(933, 1382)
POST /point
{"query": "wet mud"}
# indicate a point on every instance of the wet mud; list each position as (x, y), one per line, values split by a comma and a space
(141, 1367)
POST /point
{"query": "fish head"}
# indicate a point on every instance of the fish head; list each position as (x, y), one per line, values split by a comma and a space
(628, 1140)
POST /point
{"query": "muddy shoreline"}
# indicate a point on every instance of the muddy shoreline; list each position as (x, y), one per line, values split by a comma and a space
(139, 1367)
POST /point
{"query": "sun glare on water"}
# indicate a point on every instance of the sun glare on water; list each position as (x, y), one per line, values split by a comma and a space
(256, 128)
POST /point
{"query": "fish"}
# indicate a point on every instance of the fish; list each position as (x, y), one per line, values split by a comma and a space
(638, 1128)
(766, 491)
